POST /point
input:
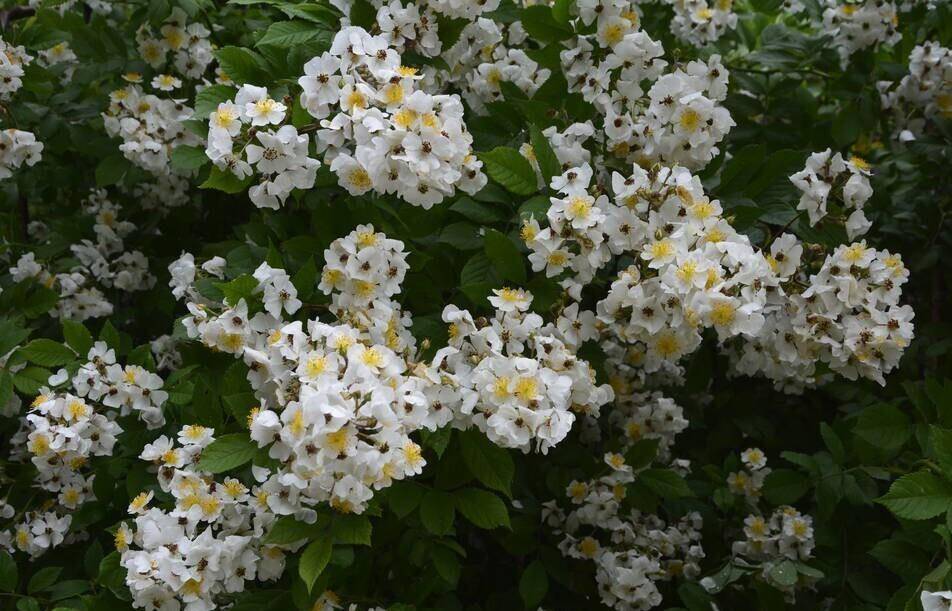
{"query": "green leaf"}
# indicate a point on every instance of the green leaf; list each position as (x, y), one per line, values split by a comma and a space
(8, 572)
(727, 575)
(832, 442)
(542, 26)
(477, 270)
(562, 11)
(510, 169)
(847, 125)
(489, 463)
(112, 574)
(243, 65)
(694, 597)
(883, 426)
(505, 256)
(437, 512)
(437, 440)
(665, 483)
(941, 440)
(142, 356)
(363, 14)
(67, 589)
(111, 170)
(534, 584)
(775, 170)
(29, 380)
(642, 453)
(316, 13)
(287, 34)
(446, 563)
(548, 163)
(46, 352)
(461, 236)
(352, 530)
(188, 157)
(227, 452)
(404, 497)
(28, 604)
(482, 508)
(225, 181)
(785, 486)
(91, 559)
(808, 571)
(43, 579)
(305, 280)
(737, 172)
(11, 334)
(477, 211)
(535, 207)
(784, 574)
(77, 336)
(110, 335)
(902, 558)
(242, 287)
(313, 560)
(918, 496)
(208, 99)
(288, 530)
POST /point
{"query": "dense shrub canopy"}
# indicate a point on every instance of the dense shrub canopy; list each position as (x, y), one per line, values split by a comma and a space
(457, 304)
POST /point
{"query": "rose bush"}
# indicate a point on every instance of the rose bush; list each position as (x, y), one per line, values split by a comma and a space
(475, 304)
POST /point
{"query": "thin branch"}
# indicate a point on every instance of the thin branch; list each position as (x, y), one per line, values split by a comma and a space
(17, 12)
(24, 216)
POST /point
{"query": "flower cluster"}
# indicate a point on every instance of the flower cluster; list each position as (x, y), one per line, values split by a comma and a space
(37, 533)
(209, 544)
(568, 146)
(859, 25)
(13, 60)
(183, 45)
(848, 317)
(78, 298)
(409, 27)
(678, 120)
(632, 551)
(280, 157)
(164, 192)
(483, 83)
(700, 22)
(927, 88)
(165, 353)
(379, 131)
(60, 53)
(339, 401)
(694, 269)
(103, 263)
(648, 415)
(516, 379)
(828, 174)
(64, 429)
(150, 127)
(750, 480)
(624, 365)
(784, 535)
(128, 389)
(18, 147)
